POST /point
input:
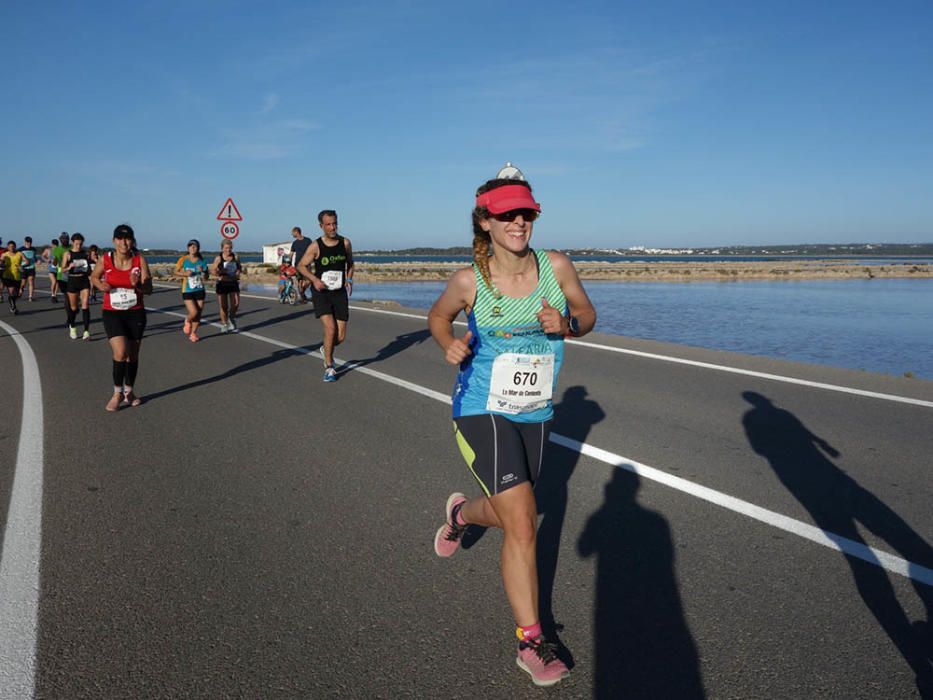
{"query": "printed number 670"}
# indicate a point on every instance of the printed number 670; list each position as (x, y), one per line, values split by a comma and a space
(525, 378)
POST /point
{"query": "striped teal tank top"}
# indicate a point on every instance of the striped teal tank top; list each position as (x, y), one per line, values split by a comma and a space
(514, 366)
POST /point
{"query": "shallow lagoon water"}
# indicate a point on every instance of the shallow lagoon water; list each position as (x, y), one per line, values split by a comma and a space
(879, 325)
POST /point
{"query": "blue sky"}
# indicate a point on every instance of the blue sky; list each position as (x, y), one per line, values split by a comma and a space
(657, 124)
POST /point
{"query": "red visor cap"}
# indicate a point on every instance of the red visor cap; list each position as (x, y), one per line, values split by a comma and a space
(507, 198)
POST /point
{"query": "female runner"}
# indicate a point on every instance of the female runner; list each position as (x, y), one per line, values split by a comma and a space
(29, 268)
(11, 262)
(520, 304)
(48, 256)
(227, 268)
(78, 287)
(93, 257)
(194, 272)
(123, 277)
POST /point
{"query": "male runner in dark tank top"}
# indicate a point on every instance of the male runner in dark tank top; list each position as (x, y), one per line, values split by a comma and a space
(331, 285)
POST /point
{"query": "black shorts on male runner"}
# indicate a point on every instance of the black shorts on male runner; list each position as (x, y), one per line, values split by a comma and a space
(194, 296)
(76, 284)
(500, 452)
(331, 303)
(129, 324)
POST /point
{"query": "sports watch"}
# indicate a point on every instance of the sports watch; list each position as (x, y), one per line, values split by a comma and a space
(573, 326)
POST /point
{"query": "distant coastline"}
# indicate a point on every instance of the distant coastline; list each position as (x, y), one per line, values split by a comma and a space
(735, 263)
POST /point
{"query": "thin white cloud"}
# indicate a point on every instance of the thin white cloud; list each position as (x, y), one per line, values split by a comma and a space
(602, 99)
(298, 125)
(283, 138)
(269, 102)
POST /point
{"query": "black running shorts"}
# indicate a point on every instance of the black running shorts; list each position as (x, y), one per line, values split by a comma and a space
(130, 324)
(76, 284)
(227, 287)
(199, 295)
(333, 303)
(501, 453)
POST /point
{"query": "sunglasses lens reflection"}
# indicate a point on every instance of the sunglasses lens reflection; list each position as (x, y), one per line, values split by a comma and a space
(509, 216)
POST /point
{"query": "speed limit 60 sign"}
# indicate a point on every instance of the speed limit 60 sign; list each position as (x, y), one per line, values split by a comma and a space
(229, 230)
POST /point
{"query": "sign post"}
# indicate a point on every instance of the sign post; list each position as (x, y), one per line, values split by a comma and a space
(229, 214)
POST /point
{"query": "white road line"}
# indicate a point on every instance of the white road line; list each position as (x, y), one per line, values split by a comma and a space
(859, 550)
(693, 363)
(888, 561)
(344, 366)
(22, 541)
(275, 299)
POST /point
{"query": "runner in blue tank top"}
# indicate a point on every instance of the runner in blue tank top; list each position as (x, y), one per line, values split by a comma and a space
(194, 271)
(520, 304)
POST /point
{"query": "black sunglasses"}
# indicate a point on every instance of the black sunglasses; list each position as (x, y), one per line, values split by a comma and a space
(509, 216)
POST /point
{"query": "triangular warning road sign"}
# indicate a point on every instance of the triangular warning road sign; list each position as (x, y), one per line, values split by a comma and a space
(229, 212)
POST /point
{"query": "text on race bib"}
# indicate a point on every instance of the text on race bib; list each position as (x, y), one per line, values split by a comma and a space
(520, 383)
(122, 299)
(332, 279)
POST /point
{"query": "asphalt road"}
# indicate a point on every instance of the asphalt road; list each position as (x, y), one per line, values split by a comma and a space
(251, 532)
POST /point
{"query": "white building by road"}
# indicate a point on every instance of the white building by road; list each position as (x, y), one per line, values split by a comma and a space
(272, 252)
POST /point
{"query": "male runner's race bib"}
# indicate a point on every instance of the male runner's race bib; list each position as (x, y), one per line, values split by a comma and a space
(122, 298)
(79, 268)
(520, 383)
(195, 283)
(332, 279)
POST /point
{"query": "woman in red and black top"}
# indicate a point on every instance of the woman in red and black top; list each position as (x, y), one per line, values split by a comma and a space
(123, 277)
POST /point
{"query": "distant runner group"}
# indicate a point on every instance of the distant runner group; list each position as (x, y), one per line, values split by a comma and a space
(520, 305)
(123, 275)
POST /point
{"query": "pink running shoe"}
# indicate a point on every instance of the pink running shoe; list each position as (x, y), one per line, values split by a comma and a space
(186, 329)
(447, 539)
(193, 337)
(538, 658)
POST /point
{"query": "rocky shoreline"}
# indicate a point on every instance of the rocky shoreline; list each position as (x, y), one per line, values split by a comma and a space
(623, 271)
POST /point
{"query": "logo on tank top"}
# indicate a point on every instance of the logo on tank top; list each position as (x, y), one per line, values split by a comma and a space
(332, 259)
(496, 311)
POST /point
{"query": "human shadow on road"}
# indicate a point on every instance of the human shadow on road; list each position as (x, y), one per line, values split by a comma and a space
(272, 358)
(278, 319)
(398, 344)
(837, 504)
(643, 646)
(574, 417)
